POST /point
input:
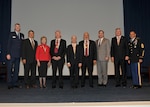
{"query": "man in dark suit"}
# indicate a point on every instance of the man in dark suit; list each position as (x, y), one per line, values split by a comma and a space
(57, 51)
(89, 58)
(13, 56)
(119, 55)
(28, 58)
(74, 61)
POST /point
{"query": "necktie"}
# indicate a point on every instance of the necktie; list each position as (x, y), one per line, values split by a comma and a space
(32, 43)
(99, 43)
(56, 46)
(86, 48)
(19, 35)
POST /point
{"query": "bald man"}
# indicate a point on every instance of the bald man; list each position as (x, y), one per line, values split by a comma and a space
(74, 61)
(89, 58)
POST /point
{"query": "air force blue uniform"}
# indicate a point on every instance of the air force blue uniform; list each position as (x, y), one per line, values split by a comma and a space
(14, 49)
(136, 52)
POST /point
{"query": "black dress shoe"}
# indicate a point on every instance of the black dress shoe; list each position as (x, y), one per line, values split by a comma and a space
(27, 87)
(105, 85)
(82, 85)
(18, 86)
(61, 87)
(100, 85)
(44, 86)
(76, 87)
(10, 87)
(34, 86)
(136, 86)
(124, 86)
(118, 85)
(91, 86)
(53, 86)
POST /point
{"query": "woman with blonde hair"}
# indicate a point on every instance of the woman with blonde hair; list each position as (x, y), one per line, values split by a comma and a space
(43, 58)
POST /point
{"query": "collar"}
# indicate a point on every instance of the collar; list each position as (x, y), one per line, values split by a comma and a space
(31, 39)
(74, 43)
(17, 32)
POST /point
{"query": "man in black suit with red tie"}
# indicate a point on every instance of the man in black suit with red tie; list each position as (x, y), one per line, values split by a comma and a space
(89, 58)
(28, 58)
(74, 60)
(119, 55)
(13, 56)
(57, 51)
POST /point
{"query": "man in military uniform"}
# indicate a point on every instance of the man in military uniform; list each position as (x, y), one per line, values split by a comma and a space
(136, 54)
(13, 56)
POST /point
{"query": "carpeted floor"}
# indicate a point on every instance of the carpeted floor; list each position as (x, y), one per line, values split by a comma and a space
(67, 94)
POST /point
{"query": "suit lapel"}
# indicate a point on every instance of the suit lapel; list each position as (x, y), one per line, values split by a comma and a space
(97, 41)
(116, 41)
(31, 44)
(103, 41)
(121, 40)
(60, 44)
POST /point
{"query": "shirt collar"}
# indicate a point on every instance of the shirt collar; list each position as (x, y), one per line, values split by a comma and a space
(31, 39)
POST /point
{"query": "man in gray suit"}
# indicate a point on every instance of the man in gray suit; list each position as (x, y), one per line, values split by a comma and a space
(103, 53)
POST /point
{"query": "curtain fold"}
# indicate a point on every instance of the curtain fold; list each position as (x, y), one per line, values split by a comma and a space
(137, 18)
(5, 24)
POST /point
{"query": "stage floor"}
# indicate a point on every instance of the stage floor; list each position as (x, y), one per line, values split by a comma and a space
(67, 95)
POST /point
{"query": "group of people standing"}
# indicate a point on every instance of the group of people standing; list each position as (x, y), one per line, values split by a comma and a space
(82, 55)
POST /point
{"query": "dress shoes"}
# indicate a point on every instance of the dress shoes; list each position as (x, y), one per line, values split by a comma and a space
(34, 86)
(44, 86)
(75, 86)
(53, 86)
(18, 86)
(41, 86)
(136, 86)
(27, 87)
(91, 86)
(10, 87)
(104, 85)
(61, 87)
(117, 85)
(124, 86)
(100, 85)
(82, 85)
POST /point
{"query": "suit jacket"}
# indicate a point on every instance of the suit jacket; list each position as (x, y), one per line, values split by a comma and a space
(103, 50)
(121, 50)
(14, 44)
(28, 52)
(61, 49)
(74, 57)
(92, 50)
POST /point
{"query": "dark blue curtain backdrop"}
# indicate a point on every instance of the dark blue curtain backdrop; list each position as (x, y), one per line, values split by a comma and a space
(137, 17)
(5, 24)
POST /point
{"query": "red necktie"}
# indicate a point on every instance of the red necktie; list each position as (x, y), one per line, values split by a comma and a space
(86, 48)
(56, 47)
